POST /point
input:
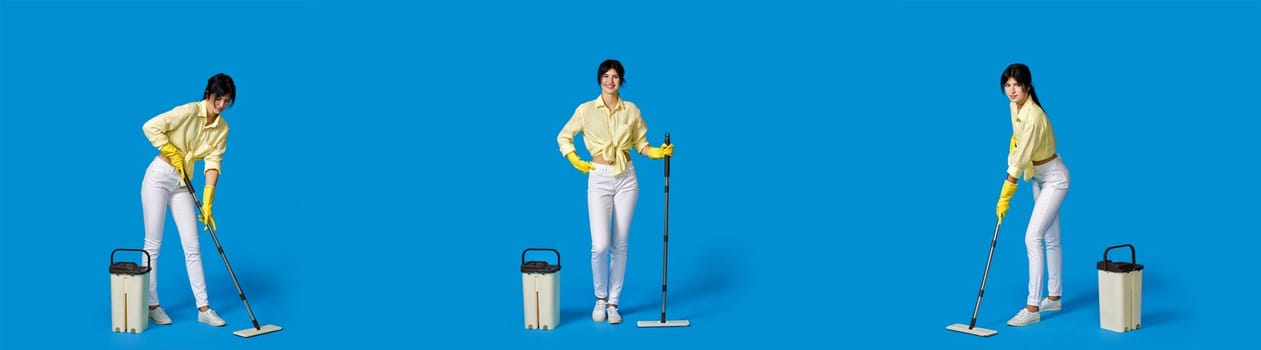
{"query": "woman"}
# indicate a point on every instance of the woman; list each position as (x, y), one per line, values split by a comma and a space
(183, 135)
(611, 127)
(1032, 155)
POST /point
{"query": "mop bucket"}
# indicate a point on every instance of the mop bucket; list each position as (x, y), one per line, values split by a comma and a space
(540, 288)
(129, 293)
(1120, 292)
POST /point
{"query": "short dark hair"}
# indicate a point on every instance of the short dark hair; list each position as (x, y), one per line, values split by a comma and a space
(1021, 73)
(220, 85)
(614, 65)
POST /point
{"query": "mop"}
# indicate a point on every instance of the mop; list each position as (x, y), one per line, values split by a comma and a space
(665, 260)
(248, 332)
(971, 328)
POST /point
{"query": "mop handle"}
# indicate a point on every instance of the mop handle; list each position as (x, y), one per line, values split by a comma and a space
(191, 192)
(993, 243)
(665, 240)
(667, 162)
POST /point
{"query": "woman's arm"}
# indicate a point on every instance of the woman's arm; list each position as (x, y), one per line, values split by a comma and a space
(212, 177)
(1021, 155)
(640, 133)
(565, 140)
(214, 160)
(155, 128)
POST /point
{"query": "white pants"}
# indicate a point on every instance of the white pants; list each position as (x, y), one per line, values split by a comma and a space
(162, 186)
(610, 196)
(1050, 185)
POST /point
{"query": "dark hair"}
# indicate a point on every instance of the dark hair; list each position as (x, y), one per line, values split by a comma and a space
(1021, 73)
(614, 65)
(220, 85)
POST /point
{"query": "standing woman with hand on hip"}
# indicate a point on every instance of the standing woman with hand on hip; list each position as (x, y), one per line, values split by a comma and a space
(1031, 155)
(183, 135)
(611, 128)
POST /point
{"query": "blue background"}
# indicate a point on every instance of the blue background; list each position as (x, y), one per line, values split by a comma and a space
(834, 183)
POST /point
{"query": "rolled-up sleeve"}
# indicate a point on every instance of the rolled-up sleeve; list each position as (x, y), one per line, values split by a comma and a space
(566, 137)
(215, 159)
(1020, 157)
(640, 138)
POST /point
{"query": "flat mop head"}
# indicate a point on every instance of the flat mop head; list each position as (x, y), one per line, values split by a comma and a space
(977, 331)
(658, 323)
(250, 332)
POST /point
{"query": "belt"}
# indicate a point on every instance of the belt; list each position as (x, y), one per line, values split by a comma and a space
(1044, 161)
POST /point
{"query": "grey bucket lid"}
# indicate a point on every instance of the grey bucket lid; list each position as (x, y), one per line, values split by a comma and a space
(539, 267)
(127, 268)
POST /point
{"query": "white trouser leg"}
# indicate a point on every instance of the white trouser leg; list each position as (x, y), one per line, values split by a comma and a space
(159, 189)
(611, 204)
(624, 208)
(184, 212)
(1054, 259)
(1050, 186)
(153, 201)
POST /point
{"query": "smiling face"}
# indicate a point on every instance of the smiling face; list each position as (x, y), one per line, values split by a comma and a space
(216, 104)
(1016, 92)
(610, 82)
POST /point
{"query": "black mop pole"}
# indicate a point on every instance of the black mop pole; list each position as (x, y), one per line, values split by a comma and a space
(665, 257)
(665, 251)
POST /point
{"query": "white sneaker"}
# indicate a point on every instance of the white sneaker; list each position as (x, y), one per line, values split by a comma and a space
(1050, 305)
(614, 317)
(1023, 318)
(159, 316)
(210, 317)
(598, 314)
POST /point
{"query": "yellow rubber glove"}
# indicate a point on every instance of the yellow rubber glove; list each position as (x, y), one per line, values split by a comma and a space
(207, 200)
(1004, 199)
(1013, 143)
(177, 159)
(666, 150)
(578, 163)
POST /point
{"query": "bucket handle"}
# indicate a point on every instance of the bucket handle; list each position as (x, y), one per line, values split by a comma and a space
(540, 249)
(148, 261)
(1133, 258)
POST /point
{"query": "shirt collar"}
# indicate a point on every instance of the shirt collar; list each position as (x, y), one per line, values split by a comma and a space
(1023, 110)
(1028, 108)
(203, 114)
(599, 103)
